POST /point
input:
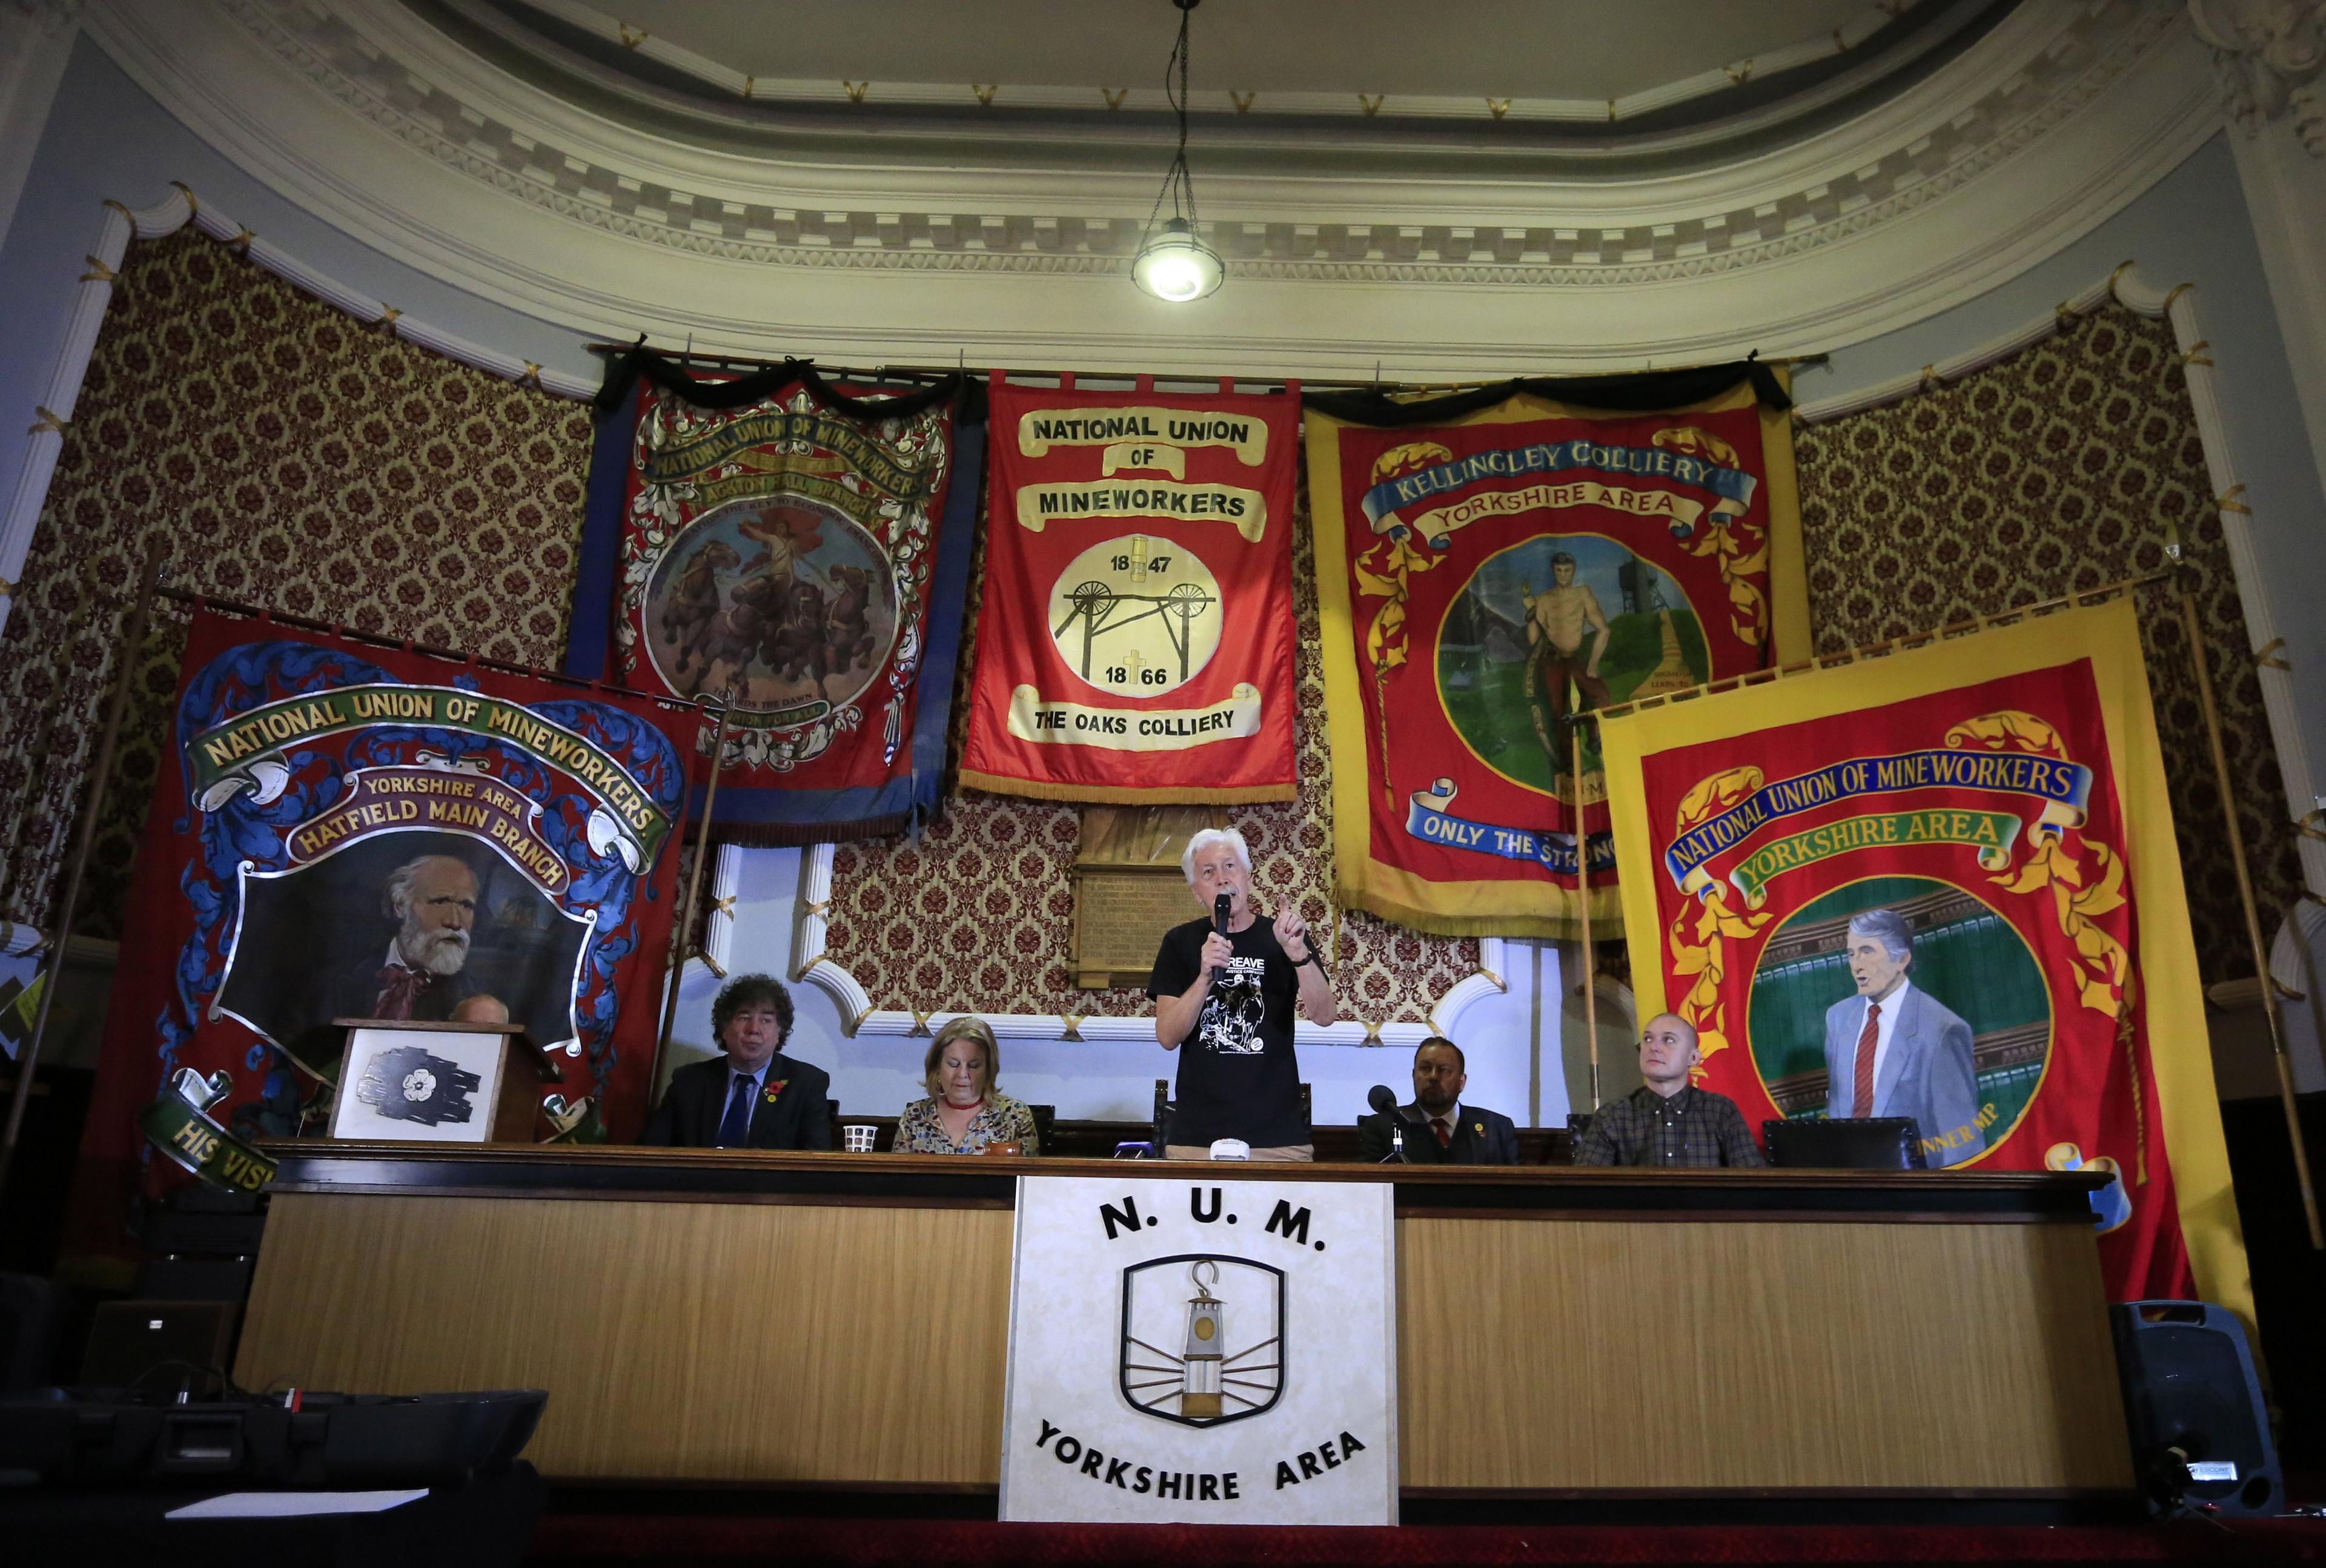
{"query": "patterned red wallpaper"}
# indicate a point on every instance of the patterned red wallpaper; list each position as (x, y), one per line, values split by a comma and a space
(2068, 465)
(292, 458)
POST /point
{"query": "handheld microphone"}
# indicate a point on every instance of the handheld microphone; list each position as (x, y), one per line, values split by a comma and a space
(1220, 908)
(1379, 1098)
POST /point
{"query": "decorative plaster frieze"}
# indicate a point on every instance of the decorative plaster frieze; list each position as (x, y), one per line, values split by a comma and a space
(2268, 54)
(47, 18)
(362, 114)
(720, 77)
(479, 139)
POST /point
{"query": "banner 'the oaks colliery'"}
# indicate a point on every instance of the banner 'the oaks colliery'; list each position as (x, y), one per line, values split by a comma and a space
(1484, 577)
(803, 547)
(1973, 838)
(1135, 634)
(343, 831)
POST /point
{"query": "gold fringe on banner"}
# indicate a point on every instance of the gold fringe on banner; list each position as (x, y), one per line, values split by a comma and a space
(1121, 795)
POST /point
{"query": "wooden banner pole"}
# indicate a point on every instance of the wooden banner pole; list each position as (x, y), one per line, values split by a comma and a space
(1582, 907)
(133, 638)
(686, 933)
(2195, 631)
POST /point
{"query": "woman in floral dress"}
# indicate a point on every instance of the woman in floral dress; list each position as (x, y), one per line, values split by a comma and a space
(964, 1113)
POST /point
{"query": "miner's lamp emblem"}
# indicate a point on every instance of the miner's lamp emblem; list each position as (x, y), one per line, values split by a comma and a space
(1203, 1339)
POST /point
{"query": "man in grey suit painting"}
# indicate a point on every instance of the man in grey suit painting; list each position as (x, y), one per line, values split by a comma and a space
(1893, 1050)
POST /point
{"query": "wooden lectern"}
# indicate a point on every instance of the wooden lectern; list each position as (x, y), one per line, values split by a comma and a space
(459, 1083)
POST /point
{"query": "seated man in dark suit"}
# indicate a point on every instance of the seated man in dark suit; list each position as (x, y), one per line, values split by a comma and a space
(1439, 1129)
(754, 1097)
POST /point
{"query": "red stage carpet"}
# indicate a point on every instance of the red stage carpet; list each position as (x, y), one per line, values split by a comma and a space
(799, 1542)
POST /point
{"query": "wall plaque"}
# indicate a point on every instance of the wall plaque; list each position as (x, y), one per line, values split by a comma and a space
(1130, 889)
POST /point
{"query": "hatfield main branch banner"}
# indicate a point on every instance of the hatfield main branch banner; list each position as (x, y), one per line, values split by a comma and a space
(1135, 634)
(1482, 580)
(803, 548)
(341, 830)
(1989, 813)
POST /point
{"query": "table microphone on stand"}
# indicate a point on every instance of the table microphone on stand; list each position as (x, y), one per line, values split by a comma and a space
(1379, 1098)
(1220, 906)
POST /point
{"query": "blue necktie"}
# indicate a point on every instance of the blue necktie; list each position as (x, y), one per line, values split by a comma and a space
(735, 1127)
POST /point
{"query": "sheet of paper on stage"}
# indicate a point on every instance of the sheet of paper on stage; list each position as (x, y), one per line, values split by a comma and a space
(295, 1505)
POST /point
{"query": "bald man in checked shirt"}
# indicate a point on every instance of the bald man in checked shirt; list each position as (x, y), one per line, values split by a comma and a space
(1667, 1122)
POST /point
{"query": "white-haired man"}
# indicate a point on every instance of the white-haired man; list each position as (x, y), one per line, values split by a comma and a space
(1892, 1050)
(433, 899)
(1230, 999)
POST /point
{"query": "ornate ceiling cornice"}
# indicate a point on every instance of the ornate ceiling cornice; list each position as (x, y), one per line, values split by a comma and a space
(2056, 116)
(2269, 54)
(576, 49)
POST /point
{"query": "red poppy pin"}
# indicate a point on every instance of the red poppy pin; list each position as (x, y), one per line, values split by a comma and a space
(773, 1090)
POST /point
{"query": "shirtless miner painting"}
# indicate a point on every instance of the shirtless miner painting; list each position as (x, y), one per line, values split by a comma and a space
(1558, 619)
(1547, 619)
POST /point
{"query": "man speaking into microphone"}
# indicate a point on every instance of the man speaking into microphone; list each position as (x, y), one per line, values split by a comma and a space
(1226, 986)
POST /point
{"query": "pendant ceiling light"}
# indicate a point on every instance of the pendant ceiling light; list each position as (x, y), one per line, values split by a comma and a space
(1173, 262)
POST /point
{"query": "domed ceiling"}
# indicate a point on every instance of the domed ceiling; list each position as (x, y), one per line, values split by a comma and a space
(1587, 85)
(1467, 189)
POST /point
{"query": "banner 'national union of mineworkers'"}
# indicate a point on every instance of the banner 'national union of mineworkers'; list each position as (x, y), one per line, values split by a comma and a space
(341, 831)
(1943, 885)
(1135, 634)
(1483, 581)
(800, 547)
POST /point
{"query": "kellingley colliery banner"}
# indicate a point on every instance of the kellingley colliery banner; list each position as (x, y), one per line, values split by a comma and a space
(803, 546)
(1135, 633)
(343, 830)
(1482, 580)
(1944, 884)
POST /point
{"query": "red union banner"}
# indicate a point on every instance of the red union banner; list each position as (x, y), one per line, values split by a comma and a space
(339, 829)
(1479, 582)
(1135, 638)
(1944, 884)
(799, 548)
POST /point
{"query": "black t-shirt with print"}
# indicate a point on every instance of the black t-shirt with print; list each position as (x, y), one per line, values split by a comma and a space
(1238, 1076)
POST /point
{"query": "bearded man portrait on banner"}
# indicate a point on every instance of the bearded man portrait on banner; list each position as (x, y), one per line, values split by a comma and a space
(424, 975)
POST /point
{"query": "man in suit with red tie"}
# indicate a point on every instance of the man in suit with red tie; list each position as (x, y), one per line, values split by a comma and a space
(754, 1097)
(1439, 1129)
(1892, 1050)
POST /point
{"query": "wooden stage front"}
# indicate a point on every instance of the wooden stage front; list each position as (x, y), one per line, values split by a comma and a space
(726, 1316)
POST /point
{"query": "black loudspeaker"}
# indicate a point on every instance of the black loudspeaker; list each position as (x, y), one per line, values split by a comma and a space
(2199, 1434)
(31, 1312)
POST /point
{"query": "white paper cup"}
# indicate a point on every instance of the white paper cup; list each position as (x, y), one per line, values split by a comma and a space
(857, 1137)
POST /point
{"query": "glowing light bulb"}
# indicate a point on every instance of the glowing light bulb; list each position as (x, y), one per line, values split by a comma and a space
(1176, 267)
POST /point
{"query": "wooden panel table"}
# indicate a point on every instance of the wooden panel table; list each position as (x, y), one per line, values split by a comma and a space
(724, 1315)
